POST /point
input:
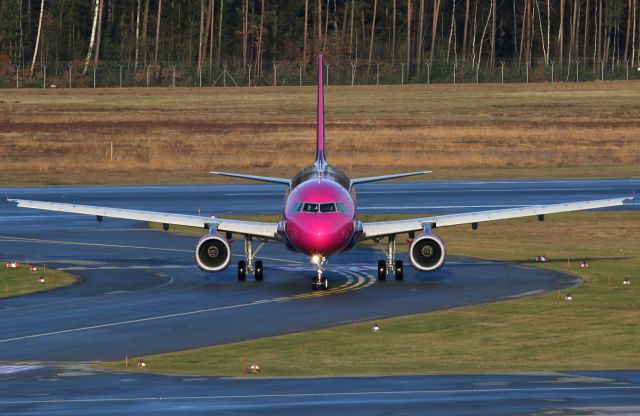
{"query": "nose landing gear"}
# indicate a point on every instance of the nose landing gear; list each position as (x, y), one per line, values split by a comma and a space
(319, 282)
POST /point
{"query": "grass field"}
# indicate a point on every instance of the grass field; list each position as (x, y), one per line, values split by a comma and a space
(15, 282)
(63, 136)
(597, 330)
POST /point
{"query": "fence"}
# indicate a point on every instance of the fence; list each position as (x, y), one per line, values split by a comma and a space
(124, 75)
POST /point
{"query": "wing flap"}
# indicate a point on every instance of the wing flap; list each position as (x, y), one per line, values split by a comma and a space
(379, 229)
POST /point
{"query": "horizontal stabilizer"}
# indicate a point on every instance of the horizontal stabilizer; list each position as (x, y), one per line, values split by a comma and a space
(282, 181)
(386, 177)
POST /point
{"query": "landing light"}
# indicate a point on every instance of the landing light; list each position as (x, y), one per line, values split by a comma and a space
(315, 259)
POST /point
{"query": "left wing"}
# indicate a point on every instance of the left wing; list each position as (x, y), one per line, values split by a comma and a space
(384, 228)
(258, 229)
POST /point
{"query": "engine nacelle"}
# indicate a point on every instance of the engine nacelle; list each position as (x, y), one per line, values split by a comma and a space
(213, 253)
(427, 252)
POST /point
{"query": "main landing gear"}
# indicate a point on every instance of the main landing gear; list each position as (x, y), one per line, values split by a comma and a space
(249, 266)
(319, 282)
(390, 265)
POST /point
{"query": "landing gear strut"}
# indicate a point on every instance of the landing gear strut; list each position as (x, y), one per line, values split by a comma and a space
(390, 265)
(249, 266)
(319, 282)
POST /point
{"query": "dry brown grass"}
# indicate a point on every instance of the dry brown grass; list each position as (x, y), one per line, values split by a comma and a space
(178, 135)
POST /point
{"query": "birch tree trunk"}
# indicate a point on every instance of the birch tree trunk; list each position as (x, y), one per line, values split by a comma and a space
(220, 14)
(585, 43)
(393, 34)
(626, 41)
(135, 62)
(319, 31)
(212, 32)
(304, 38)
(245, 32)
(326, 28)
(409, 10)
(155, 52)
(466, 25)
(98, 33)
(38, 36)
(492, 54)
(201, 34)
(145, 31)
(259, 44)
(373, 31)
(420, 50)
(561, 36)
(93, 35)
(353, 7)
(205, 25)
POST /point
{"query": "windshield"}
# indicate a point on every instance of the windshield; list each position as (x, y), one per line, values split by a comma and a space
(314, 207)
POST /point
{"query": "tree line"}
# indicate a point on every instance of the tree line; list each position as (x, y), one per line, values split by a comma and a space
(206, 34)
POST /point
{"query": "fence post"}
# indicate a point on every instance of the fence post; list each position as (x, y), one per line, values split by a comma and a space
(121, 75)
(428, 73)
(173, 81)
(249, 83)
(199, 77)
(17, 76)
(402, 71)
(577, 70)
(70, 85)
(147, 76)
(300, 66)
(627, 68)
(551, 71)
(327, 65)
(44, 76)
(502, 72)
(454, 74)
(378, 73)
(275, 74)
(353, 73)
(602, 71)
(224, 75)
(94, 76)
(477, 74)
(527, 64)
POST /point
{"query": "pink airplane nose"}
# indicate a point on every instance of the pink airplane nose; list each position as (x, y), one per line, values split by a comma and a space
(320, 234)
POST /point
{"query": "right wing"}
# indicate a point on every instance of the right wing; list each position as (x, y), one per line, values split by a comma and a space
(282, 181)
(385, 228)
(258, 229)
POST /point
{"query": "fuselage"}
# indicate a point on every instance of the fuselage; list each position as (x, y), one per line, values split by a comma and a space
(319, 215)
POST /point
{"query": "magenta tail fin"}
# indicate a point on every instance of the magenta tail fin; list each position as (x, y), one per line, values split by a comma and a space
(320, 159)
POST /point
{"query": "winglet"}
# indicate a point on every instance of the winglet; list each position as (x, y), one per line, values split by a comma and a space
(320, 158)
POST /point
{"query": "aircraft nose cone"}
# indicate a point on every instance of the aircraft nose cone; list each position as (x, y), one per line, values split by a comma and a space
(320, 234)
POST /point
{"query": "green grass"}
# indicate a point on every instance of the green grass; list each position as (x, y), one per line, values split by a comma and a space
(15, 282)
(597, 330)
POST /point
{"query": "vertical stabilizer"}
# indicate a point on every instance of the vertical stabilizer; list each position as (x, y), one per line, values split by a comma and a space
(320, 160)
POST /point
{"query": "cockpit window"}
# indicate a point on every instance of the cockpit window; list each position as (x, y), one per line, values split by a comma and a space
(310, 207)
(315, 207)
(328, 207)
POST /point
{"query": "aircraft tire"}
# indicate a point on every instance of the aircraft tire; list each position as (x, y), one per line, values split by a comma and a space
(259, 271)
(399, 270)
(242, 271)
(382, 270)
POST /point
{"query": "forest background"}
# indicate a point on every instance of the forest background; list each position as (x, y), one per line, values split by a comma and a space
(275, 42)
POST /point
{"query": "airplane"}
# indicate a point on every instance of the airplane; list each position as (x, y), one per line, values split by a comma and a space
(319, 219)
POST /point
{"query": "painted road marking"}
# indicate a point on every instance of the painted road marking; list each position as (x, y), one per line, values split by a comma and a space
(12, 369)
(361, 281)
(311, 395)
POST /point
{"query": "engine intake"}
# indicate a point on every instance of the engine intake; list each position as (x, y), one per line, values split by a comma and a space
(213, 253)
(427, 252)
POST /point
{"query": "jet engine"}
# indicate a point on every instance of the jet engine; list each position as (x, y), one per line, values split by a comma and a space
(213, 253)
(427, 252)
